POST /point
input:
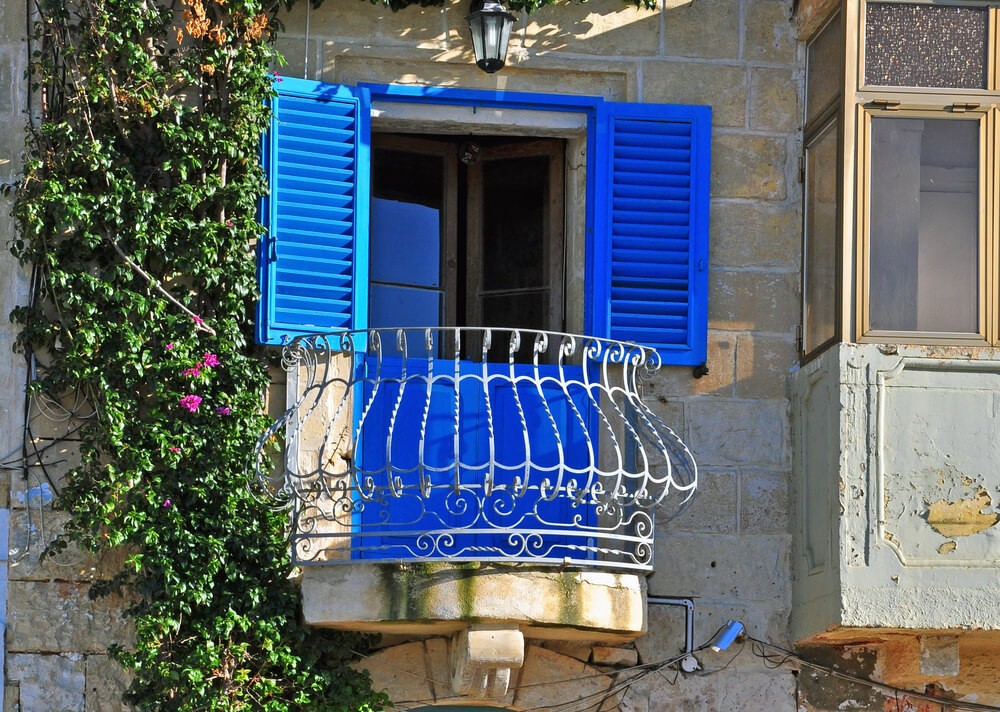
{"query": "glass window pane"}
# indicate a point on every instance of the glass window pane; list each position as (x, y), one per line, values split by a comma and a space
(406, 229)
(820, 249)
(924, 225)
(515, 205)
(405, 243)
(925, 46)
(825, 58)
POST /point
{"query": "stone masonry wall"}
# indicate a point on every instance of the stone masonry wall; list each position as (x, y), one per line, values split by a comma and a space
(729, 548)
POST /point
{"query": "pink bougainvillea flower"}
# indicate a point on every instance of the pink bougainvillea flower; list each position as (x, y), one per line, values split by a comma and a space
(170, 346)
(210, 359)
(196, 371)
(198, 320)
(191, 402)
(229, 223)
(174, 449)
(223, 410)
(166, 503)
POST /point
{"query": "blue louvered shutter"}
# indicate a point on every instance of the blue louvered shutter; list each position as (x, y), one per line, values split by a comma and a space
(648, 262)
(314, 257)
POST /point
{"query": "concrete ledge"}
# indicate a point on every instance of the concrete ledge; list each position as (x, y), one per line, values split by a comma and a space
(440, 599)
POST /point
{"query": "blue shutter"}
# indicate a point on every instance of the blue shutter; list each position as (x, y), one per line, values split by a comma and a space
(648, 262)
(314, 257)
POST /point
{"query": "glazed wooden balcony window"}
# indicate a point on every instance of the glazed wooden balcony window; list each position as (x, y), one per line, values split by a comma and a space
(927, 193)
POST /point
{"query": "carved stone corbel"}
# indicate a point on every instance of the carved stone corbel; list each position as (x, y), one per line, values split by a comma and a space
(482, 657)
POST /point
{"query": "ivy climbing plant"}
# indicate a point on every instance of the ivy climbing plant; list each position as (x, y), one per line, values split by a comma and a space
(137, 213)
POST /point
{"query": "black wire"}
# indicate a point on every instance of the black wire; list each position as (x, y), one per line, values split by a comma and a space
(791, 656)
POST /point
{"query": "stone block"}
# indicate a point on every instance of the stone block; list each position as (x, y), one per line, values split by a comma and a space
(707, 28)
(401, 670)
(611, 79)
(573, 649)
(763, 366)
(36, 491)
(767, 621)
(770, 34)
(439, 666)
(665, 639)
(614, 657)
(722, 86)
(13, 24)
(764, 502)
(753, 301)
(56, 617)
(549, 679)
(749, 166)
(49, 683)
(32, 530)
(774, 99)
(721, 362)
(713, 508)
(106, 682)
(763, 235)
(669, 409)
(773, 690)
(375, 24)
(303, 58)
(423, 598)
(601, 27)
(738, 433)
(690, 693)
(12, 88)
(723, 568)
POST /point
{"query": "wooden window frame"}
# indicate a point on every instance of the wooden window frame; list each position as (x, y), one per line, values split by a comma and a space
(930, 103)
(986, 312)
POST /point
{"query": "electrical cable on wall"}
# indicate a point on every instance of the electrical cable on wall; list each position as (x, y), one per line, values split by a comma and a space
(759, 648)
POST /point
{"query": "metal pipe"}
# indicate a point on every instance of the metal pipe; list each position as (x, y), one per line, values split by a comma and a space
(688, 617)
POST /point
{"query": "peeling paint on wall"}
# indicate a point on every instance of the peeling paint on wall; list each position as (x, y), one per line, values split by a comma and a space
(963, 517)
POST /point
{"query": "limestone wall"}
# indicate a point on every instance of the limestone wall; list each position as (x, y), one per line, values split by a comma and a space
(730, 547)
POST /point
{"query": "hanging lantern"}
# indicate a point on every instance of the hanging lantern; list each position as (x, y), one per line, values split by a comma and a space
(490, 25)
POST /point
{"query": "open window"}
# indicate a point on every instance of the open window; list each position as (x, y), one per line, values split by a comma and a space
(646, 208)
(467, 231)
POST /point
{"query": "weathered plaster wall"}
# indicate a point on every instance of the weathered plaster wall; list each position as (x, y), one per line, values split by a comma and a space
(903, 440)
(896, 489)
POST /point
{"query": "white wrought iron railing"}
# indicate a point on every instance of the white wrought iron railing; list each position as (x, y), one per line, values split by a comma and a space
(473, 444)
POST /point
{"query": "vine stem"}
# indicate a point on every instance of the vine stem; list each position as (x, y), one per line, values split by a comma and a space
(199, 324)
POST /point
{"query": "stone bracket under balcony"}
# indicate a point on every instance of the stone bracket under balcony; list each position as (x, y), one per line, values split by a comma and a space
(435, 599)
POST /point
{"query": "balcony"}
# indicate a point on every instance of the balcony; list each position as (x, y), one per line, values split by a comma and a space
(527, 447)
(455, 449)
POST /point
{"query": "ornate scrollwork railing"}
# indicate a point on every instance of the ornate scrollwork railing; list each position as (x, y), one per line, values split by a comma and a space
(473, 444)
